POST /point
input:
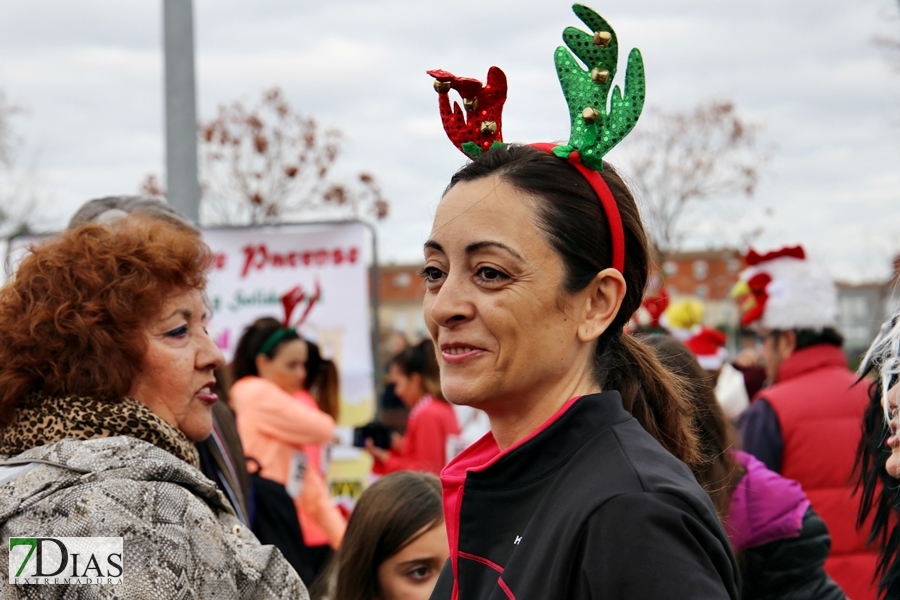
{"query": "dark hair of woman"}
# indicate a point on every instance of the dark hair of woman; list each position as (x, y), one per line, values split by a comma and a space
(880, 492)
(420, 359)
(253, 338)
(576, 227)
(322, 381)
(718, 472)
(92, 344)
(812, 337)
(391, 514)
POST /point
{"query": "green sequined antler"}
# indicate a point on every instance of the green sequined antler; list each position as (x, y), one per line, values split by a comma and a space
(595, 130)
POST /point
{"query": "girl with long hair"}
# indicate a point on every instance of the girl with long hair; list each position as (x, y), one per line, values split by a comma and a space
(395, 544)
(284, 433)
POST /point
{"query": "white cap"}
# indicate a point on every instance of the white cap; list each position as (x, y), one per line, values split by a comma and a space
(785, 290)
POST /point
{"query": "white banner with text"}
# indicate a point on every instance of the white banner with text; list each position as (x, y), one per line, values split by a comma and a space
(321, 265)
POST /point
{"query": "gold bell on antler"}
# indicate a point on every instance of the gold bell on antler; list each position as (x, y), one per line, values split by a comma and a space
(488, 127)
(599, 75)
(602, 38)
(471, 104)
(441, 87)
(590, 114)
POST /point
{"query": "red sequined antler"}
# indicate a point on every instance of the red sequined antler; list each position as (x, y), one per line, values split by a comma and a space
(476, 130)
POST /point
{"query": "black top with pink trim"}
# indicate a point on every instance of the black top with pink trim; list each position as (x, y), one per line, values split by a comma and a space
(588, 506)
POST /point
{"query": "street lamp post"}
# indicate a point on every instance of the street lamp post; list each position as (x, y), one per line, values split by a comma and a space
(182, 186)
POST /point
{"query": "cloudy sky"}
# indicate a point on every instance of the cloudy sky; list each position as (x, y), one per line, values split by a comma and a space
(89, 76)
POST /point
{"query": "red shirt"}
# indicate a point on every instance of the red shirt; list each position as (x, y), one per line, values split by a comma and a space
(424, 446)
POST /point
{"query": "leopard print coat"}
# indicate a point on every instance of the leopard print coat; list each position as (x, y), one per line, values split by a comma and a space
(181, 537)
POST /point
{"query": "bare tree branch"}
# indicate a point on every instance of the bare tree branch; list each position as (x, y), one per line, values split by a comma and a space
(679, 160)
(20, 202)
(268, 162)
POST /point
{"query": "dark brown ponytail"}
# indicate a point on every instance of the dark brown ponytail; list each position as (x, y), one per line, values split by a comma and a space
(656, 398)
(573, 221)
(719, 472)
(322, 381)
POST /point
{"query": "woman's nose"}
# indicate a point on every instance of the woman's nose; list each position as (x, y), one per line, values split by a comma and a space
(209, 355)
(452, 304)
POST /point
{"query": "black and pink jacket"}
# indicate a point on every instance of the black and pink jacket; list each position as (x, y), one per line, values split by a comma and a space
(781, 540)
(588, 506)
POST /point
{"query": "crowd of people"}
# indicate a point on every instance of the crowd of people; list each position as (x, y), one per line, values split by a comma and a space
(615, 458)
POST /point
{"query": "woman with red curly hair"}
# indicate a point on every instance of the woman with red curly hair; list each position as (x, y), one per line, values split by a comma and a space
(106, 380)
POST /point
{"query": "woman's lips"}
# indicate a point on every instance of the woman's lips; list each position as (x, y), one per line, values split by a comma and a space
(207, 395)
(457, 353)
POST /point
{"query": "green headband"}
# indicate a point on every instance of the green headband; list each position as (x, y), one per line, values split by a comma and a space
(274, 339)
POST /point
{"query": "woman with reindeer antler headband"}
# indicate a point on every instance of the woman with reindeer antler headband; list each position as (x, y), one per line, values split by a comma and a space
(280, 424)
(536, 261)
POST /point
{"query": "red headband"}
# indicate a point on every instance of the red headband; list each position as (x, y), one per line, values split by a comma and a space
(616, 231)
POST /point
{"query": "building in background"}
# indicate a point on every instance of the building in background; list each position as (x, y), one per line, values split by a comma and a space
(401, 290)
(863, 308)
(709, 276)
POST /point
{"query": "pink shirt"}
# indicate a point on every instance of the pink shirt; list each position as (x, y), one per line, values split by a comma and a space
(273, 425)
(320, 519)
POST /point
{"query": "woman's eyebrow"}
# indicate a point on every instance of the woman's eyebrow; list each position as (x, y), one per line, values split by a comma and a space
(424, 559)
(434, 246)
(184, 312)
(476, 246)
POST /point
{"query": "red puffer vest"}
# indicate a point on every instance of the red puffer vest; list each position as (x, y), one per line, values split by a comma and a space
(820, 412)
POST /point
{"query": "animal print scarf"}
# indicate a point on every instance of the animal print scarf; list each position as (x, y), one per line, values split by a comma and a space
(41, 420)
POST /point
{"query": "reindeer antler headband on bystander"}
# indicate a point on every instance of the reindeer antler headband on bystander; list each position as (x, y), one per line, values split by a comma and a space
(290, 301)
(595, 130)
